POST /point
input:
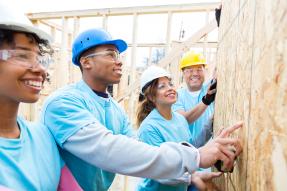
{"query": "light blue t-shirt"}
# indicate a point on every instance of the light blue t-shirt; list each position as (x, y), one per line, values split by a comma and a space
(155, 130)
(76, 106)
(31, 162)
(186, 102)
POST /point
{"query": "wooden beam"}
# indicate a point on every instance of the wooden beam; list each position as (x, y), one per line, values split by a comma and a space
(163, 45)
(186, 45)
(193, 7)
(52, 25)
(168, 30)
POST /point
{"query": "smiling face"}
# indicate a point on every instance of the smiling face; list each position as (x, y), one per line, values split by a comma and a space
(194, 77)
(166, 93)
(102, 65)
(17, 82)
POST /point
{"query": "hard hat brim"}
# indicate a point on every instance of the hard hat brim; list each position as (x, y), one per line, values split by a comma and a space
(26, 28)
(142, 90)
(151, 73)
(194, 64)
(120, 44)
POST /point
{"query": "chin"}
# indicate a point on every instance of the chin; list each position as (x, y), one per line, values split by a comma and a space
(173, 102)
(30, 99)
(116, 81)
(170, 102)
(196, 86)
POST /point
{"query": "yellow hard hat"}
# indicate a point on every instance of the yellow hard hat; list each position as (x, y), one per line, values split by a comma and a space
(192, 59)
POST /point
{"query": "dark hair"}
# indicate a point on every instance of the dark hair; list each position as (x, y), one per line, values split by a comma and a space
(7, 36)
(85, 53)
(146, 105)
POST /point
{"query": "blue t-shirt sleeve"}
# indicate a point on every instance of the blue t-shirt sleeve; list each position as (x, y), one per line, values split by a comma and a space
(148, 134)
(47, 134)
(178, 105)
(64, 116)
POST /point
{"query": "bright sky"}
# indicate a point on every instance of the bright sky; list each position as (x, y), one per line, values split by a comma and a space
(151, 28)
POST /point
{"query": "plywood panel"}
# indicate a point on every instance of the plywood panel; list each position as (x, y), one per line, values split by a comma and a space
(252, 66)
(268, 107)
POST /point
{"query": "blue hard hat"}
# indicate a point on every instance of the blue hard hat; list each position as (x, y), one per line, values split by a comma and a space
(92, 38)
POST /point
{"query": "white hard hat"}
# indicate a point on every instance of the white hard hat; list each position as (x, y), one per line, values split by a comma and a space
(13, 19)
(151, 73)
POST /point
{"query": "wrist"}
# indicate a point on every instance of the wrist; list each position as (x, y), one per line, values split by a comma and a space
(205, 101)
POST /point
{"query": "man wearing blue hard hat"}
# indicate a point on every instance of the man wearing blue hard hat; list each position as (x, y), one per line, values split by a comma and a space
(93, 131)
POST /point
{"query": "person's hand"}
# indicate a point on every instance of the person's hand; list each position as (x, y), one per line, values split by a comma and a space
(219, 149)
(203, 180)
(211, 92)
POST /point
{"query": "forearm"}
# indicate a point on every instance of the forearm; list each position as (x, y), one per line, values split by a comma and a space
(194, 113)
(120, 154)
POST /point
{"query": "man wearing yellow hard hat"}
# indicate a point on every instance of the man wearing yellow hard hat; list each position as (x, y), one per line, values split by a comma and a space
(196, 94)
(195, 101)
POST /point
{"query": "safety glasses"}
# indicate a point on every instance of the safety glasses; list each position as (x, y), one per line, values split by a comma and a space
(165, 86)
(26, 58)
(115, 55)
(192, 70)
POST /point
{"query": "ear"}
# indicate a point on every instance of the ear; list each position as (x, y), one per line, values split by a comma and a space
(85, 63)
(150, 98)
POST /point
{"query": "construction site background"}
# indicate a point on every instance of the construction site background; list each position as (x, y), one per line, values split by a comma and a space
(251, 61)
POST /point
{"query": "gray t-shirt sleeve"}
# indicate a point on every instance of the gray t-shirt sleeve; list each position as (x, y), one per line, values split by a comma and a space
(120, 154)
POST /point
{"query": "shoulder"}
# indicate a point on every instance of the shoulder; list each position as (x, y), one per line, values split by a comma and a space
(181, 90)
(36, 131)
(182, 93)
(148, 124)
(67, 96)
(147, 130)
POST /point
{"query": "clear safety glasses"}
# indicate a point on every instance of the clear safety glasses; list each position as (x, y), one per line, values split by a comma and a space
(26, 58)
(115, 55)
(192, 70)
(165, 86)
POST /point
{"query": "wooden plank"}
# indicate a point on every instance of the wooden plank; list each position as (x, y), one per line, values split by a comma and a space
(193, 7)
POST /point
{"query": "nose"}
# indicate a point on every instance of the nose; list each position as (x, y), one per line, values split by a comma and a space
(118, 59)
(194, 73)
(38, 68)
(118, 62)
(170, 87)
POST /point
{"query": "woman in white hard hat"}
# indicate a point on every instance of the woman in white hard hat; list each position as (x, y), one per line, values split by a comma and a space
(29, 157)
(158, 124)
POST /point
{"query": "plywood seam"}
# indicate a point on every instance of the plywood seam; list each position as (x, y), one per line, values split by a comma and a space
(250, 98)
